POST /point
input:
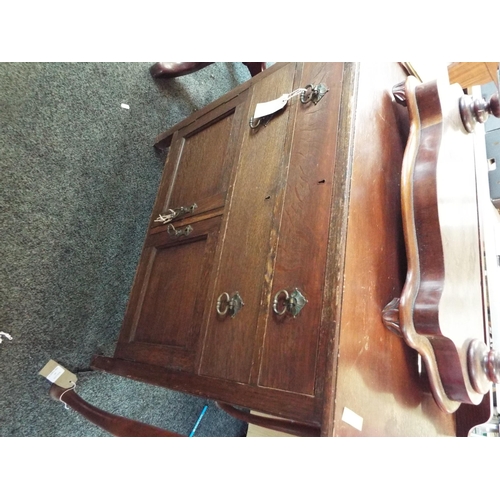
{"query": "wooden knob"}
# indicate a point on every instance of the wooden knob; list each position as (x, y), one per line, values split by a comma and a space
(474, 111)
(493, 366)
(484, 366)
(495, 105)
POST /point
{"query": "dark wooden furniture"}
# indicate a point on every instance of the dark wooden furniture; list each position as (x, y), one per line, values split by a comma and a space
(114, 424)
(308, 202)
(176, 69)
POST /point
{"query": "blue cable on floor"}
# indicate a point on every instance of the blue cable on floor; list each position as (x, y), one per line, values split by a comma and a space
(198, 421)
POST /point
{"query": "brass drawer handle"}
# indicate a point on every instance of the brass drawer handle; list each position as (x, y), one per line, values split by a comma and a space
(277, 300)
(229, 304)
(292, 302)
(313, 93)
(175, 233)
(175, 213)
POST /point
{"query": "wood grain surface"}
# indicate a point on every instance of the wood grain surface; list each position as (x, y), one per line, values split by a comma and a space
(311, 201)
(244, 264)
(377, 375)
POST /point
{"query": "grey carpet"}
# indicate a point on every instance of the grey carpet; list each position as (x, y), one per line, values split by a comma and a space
(78, 179)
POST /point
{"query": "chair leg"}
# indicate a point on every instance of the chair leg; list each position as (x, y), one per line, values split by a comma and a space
(175, 69)
(255, 67)
(114, 424)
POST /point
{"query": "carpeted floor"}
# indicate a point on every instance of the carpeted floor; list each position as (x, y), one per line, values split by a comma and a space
(78, 178)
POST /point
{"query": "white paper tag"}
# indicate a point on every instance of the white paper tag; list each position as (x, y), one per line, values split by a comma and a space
(125, 106)
(268, 108)
(351, 418)
(55, 373)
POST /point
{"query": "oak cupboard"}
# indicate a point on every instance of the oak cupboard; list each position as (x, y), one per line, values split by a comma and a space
(270, 254)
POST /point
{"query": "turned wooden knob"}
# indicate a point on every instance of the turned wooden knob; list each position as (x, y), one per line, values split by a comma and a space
(484, 366)
(474, 111)
(493, 366)
(495, 105)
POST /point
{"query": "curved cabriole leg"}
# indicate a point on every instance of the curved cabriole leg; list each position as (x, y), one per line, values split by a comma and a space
(114, 424)
(274, 424)
(175, 69)
(255, 67)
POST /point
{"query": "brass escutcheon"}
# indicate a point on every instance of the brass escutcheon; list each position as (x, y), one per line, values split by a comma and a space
(231, 304)
(313, 93)
(292, 302)
(175, 233)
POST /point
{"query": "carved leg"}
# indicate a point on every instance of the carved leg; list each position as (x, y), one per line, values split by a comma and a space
(255, 67)
(114, 424)
(175, 69)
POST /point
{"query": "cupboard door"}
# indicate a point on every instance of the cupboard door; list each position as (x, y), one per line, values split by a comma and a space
(200, 161)
(291, 343)
(246, 253)
(168, 300)
(165, 313)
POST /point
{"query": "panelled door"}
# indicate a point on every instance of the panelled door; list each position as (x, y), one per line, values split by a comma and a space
(250, 237)
(291, 342)
(168, 300)
(276, 240)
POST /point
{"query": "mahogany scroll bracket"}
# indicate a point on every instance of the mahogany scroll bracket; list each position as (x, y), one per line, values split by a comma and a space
(114, 424)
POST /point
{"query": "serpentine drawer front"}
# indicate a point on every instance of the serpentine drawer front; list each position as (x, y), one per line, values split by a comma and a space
(273, 245)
